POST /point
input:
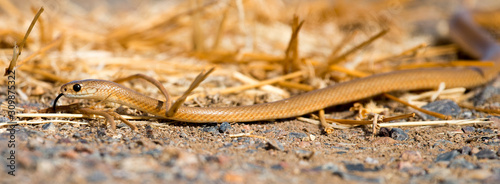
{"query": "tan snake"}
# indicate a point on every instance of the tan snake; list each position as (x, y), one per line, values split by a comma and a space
(463, 30)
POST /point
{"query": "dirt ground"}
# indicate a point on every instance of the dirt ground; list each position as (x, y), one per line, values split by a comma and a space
(69, 149)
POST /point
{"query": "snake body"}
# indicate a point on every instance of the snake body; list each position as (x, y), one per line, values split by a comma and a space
(463, 30)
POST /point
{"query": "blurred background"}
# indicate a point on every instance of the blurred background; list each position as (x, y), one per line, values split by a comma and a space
(173, 41)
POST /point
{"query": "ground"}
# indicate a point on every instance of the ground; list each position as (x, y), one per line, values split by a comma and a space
(92, 40)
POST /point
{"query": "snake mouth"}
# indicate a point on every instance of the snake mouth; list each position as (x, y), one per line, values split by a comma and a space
(55, 101)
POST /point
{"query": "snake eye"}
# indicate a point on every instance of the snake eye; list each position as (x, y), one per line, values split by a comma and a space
(77, 87)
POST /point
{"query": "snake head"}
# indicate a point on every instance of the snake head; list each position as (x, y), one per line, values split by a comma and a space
(79, 89)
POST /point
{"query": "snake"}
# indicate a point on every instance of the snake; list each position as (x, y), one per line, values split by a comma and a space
(463, 30)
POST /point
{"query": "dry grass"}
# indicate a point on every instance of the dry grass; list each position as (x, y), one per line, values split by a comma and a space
(318, 42)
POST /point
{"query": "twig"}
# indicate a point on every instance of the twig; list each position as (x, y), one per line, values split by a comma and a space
(64, 115)
(349, 52)
(40, 122)
(13, 62)
(435, 123)
(262, 83)
(291, 61)
(435, 114)
(249, 134)
(489, 111)
(350, 72)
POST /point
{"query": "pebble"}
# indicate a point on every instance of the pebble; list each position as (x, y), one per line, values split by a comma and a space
(468, 129)
(211, 129)
(49, 127)
(359, 167)
(467, 114)
(183, 135)
(446, 107)
(224, 127)
(304, 154)
(461, 163)
(446, 157)
(297, 135)
(398, 134)
(71, 154)
(486, 154)
(274, 144)
(277, 167)
(465, 150)
(327, 167)
(411, 156)
(352, 177)
(77, 135)
(384, 132)
(485, 94)
(370, 160)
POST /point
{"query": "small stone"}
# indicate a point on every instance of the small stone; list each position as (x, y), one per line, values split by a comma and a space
(352, 177)
(468, 129)
(224, 127)
(486, 154)
(446, 157)
(211, 129)
(384, 132)
(461, 163)
(467, 114)
(327, 167)
(64, 141)
(474, 151)
(77, 135)
(71, 154)
(411, 156)
(465, 150)
(370, 160)
(312, 137)
(49, 127)
(183, 135)
(304, 154)
(485, 94)
(277, 167)
(297, 135)
(359, 167)
(446, 107)
(398, 134)
(274, 144)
